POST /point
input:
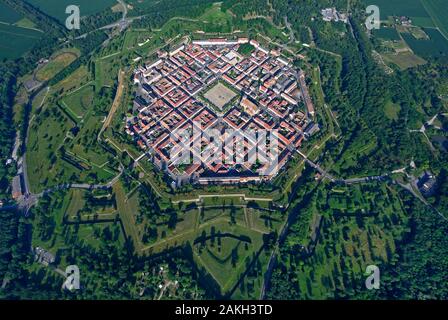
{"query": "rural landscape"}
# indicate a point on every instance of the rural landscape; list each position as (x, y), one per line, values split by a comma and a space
(116, 139)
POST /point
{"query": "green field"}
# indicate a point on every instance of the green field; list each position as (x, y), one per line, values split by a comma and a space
(133, 38)
(56, 8)
(57, 63)
(75, 80)
(80, 101)
(409, 8)
(404, 60)
(222, 22)
(264, 221)
(415, 9)
(392, 110)
(227, 251)
(15, 41)
(66, 134)
(387, 34)
(49, 134)
(26, 23)
(106, 71)
(58, 204)
(424, 13)
(436, 46)
(82, 208)
(85, 145)
(438, 9)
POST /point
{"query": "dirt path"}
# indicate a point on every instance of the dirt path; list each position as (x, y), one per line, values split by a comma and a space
(116, 103)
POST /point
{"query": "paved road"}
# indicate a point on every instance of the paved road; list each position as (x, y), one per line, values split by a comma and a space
(125, 9)
(82, 185)
(28, 200)
(326, 175)
(366, 179)
(123, 23)
(292, 37)
(268, 274)
(412, 187)
(422, 130)
(115, 104)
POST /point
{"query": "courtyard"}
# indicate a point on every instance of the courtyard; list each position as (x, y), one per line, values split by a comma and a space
(219, 95)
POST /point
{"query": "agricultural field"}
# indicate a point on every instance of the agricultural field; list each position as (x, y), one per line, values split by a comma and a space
(139, 4)
(8, 14)
(423, 13)
(438, 10)
(404, 60)
(139, 7)
(396, 51)
(26, 23)
(56, 8)
(418, 33)
(410, 8)
(436, 46)
(15, 41)
(390, 34)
